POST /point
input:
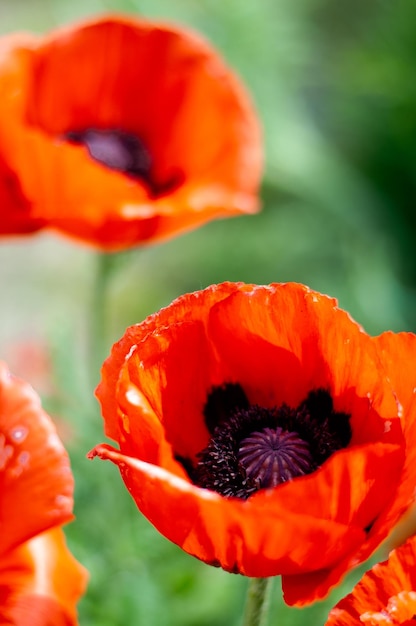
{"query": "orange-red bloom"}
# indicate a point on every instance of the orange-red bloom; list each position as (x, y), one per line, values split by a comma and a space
(385, 596)
(40, 581)
(202, 396)
(120, 131)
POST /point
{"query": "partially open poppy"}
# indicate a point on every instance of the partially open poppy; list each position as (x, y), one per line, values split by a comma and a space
(40, 581)
(120, 131)
(385, 596)
(258, 429)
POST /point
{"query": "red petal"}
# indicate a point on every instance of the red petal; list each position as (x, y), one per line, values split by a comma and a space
(166, 84)
(280, 342)
(230, 532)
(41, 582)
(36, 480)
(304, 510)
(15, 210)
(352, 487)
(185, 309)
(398, 354)
(397, 359)
(382, 590)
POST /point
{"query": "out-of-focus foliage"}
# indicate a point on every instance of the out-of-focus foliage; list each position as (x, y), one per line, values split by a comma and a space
(333, 84)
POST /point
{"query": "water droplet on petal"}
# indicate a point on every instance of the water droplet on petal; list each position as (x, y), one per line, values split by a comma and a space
(19, 433)
(63, 502)
(21, 464)
(23, 458)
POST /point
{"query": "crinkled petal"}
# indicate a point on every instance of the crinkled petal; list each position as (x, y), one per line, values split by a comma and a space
(187, 308)
(282, 341)
(386, 592)
(309, 507)
(397, 352)
(230, 532)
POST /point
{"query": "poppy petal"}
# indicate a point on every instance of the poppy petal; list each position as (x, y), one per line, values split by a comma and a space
(41, 582)
(183, 357)
(15, 211)
(32, 461)
(289, 506)
(294, 335)
(184, 309)
(16, 215)
(355, 472)
(230, 533)
(397, 352)
(385, 594)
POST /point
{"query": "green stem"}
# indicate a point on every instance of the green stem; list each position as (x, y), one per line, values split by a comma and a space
(257, 603)
(99, 313)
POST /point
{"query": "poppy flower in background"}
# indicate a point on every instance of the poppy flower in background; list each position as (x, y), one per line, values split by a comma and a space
(259, 430)
(40, 580)
(149, 133)
(385, 596)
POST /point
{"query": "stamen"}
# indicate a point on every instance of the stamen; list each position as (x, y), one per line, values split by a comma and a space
(253, 447)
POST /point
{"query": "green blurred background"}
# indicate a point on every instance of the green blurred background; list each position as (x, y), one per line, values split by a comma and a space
(333, 82)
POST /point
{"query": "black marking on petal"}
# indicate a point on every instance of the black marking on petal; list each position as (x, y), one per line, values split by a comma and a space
(326, 429)
(319, 404)
(116, 149)
(186, 464)
(222, 402)
(124, 152)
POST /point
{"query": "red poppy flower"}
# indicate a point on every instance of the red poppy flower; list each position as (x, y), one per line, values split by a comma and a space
(40, 581)
(120, 131)
(385, 596)
(258, 429)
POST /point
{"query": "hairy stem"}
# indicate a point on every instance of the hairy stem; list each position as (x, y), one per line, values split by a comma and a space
(257, 603)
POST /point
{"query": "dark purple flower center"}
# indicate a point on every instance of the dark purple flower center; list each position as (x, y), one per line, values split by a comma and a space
(253, 447)
(273, 456)
(124, 152)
